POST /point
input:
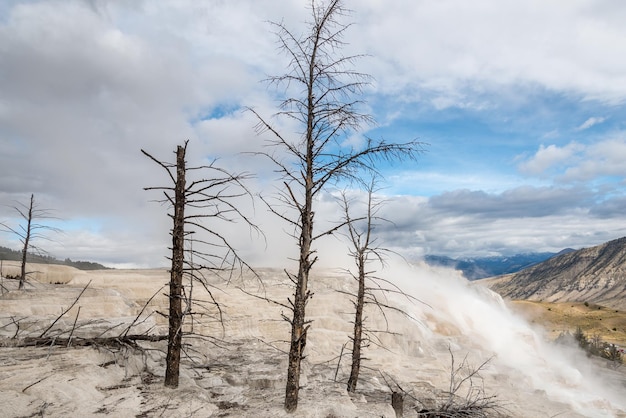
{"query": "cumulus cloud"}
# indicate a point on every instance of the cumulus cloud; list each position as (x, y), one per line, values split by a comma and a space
(577, 162)
(548, 157)
(85, 86)
(604, 158)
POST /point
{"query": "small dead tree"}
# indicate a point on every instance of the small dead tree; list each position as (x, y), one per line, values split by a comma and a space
(371, 288)
(466, 396)
(321, 90)
(364, 251)
(195, 203)
(30, 230)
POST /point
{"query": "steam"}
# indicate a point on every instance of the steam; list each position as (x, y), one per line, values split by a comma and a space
(471, 317)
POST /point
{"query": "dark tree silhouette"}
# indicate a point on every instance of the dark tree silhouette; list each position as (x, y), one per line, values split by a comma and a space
(321, 90)
(30, 230)
(195, 203)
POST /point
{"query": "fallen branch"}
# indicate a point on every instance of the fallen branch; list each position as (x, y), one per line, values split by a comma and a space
(85, 342)
(33, 384)
(125, 333)
(69, 339)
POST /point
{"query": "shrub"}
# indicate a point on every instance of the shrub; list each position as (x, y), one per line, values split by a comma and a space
(466, 396)
(581, 338)
(595, 346)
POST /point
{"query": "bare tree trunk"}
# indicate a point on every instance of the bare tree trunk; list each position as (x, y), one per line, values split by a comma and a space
(296, 353)
(176, 280)
(26, 242)
(397, 403)
(301, 295)
(196, 201)
(357, 338)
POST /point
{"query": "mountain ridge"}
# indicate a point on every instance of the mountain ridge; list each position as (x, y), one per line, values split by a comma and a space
(474, 268)
(595, 275)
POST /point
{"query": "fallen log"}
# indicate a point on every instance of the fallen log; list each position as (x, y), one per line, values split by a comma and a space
(118, 341)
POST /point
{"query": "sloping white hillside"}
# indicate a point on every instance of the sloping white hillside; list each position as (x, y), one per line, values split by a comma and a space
(241, 370)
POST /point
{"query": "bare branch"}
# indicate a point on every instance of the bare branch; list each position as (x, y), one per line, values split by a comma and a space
(125, 333)
(65, 311)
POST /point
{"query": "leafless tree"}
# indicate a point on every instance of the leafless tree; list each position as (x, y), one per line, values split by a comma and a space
(466, 396)
(364, 250)
(195, 203)
(372, 288)
(30, 230)
(322, 96)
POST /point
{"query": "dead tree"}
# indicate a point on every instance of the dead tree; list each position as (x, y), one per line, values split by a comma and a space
(321, 90)
(364, 250)
(194, 203)
(466, 396)
(372, 289)
(29, 231)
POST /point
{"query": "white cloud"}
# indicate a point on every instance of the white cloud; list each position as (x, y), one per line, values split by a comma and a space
(483, 225)
(590, 122)
(604, 158)
(568, 46)
(576, 162)
(548, 157)
(86, 85)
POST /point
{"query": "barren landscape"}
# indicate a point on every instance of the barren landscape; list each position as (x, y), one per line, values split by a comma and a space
(239, 368)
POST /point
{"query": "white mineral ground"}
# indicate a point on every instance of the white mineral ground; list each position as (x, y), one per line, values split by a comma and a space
(241, 371)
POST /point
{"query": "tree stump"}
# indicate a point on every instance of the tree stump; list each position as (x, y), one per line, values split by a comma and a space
(397, 402)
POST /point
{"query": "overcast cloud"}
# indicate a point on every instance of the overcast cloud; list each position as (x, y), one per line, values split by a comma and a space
(523, 106)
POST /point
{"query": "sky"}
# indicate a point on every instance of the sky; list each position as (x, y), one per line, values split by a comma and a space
(521, 105)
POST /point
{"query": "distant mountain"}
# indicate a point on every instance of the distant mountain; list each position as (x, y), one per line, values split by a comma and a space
(13, 255)
(595, 275)
(479, 268)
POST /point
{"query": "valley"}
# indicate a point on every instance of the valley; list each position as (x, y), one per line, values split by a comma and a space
(558, 317)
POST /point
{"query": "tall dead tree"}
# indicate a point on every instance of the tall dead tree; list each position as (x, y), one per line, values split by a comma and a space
(212, 199)
(321, 90)
(30, 230)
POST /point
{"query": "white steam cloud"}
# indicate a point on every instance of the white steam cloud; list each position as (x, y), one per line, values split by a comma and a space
(471, 318)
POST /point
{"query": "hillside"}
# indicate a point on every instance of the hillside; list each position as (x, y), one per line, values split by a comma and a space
(562, 317)
(42, 273)
(239, 369)
(594, 275)
(7, 254)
